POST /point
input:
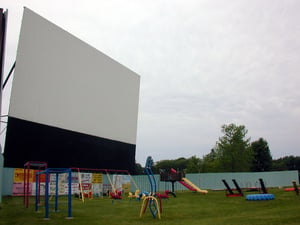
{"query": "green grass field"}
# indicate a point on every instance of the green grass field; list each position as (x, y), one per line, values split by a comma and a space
(188, 208)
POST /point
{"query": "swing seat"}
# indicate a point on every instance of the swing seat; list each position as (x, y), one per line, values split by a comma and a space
(135, 195)
(116, 195)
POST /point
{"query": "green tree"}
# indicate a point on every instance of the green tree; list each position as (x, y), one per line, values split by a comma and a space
(193, 165)
(179, 164)
(233, 149)
(286, 163)
(262, 159)
(139, 170)
(210, 162)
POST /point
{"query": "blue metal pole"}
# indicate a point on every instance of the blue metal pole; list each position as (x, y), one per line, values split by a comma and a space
(36, 192)
(70, 195)
(47, 195)
(147, 170)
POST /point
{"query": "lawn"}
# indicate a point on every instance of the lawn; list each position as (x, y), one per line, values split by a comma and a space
(187, 208)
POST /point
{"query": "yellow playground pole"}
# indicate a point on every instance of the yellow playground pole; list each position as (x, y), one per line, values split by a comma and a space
(80, 186)
(145, 204)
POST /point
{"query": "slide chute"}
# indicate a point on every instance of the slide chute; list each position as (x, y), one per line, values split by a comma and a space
(189, 185)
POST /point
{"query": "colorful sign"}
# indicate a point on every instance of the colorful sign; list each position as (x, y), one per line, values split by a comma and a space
(18, 189)
(97, 178)
(86, 177)
(19, 175)
(89, 182)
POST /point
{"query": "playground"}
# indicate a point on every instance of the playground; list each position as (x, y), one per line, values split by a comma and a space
(97, 196)
(187, 208)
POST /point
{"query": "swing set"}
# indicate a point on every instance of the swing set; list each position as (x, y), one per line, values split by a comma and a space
(86, 189)
(44, 176)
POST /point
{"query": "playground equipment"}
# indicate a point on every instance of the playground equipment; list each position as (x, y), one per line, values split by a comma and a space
(47, 173)
(172, 177)
(189, 185)
(263, 187)
(294, 188)
(143, 194)
(229, 192)
(155, 206)
(116, 195)
(86, 183)
(136, 195)
(260, 197)
(165, 194)
(264, 195)
(86, 189)
(28, 166)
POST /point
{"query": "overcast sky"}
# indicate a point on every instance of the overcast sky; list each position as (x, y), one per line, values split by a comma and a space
(203, 63)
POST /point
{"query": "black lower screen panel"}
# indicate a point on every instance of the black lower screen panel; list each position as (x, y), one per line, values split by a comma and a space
(61, 148)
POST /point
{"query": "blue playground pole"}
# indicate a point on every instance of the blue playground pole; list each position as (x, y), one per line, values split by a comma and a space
(148, 169)
(70, 195)
(47, 195)
(56, 193)
(36, 192)
(57, 171)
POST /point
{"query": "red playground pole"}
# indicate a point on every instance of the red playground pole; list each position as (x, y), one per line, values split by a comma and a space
(27, 167)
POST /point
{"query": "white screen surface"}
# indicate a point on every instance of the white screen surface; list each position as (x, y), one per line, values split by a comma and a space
(63, 82)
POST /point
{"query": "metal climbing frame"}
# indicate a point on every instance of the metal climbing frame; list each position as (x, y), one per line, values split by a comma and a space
(39, 166)
(55, 171)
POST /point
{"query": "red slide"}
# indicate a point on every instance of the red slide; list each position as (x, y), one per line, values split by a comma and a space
(182, 182)
(188, 184)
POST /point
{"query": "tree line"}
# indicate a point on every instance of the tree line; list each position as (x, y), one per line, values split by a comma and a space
(233, 152)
